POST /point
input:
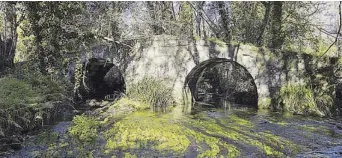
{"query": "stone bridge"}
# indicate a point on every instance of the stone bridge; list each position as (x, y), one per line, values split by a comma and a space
(172, 59)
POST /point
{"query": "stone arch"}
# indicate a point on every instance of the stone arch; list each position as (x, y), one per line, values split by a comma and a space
(193, 80)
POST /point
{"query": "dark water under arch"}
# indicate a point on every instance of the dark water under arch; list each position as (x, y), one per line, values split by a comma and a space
(218, 81)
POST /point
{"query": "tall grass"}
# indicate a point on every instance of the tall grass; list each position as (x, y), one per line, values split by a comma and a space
(151, 92)
(303, 100)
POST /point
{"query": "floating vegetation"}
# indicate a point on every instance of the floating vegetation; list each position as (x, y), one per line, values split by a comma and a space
(211, 137)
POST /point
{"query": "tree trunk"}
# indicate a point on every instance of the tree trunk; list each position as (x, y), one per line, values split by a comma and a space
(198, 15)
(226, 17)
(264, 22)
(155, 8)
(9, 41)
(34, 18)
(277, 37)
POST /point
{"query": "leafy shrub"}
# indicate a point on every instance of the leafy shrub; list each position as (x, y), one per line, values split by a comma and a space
(152, 92)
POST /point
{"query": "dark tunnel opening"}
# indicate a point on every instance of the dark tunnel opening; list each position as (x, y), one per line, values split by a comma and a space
(220, 82)
(101, 80)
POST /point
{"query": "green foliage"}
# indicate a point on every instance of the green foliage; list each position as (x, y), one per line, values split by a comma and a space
(248, 21)
(15, 92)
(46, 33)
(298, 99)
(26, 96)
(84, 129)
(153, 92)
(324, 101)
(25, 45)
(186, 14)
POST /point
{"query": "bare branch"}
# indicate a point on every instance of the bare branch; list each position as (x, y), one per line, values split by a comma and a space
(210, 23)
(338, 32)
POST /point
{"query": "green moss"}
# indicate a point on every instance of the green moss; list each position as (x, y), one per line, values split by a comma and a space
(240, 130)
(129, 155)
(145, 129)
(315, 129)
(217, 41)
(282, 123)
(196, 37)
(125, 101)
(264, 103)
(214, 144)
(308, 128)
(240, 121)
(259, 65)
(84, 129)
(167, 133)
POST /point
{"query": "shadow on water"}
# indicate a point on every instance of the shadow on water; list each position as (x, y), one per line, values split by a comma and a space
(237, 131)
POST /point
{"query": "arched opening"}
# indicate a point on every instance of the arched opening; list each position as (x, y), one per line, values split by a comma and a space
(101, 79)
(221, 83)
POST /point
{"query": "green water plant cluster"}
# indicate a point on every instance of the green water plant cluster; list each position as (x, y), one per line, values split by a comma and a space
(238, 131)
(172, 134)
(144, 130)
(151, 92)
(84, 129)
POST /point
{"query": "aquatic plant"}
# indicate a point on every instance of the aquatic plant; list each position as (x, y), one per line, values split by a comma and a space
(153, 92)
(84, 129)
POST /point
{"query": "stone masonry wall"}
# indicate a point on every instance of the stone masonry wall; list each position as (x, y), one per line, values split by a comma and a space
(172, 59)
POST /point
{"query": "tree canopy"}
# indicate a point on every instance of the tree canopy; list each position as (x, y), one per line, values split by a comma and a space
(49, 31)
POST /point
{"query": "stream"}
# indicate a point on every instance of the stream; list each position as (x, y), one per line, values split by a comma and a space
(218, 133)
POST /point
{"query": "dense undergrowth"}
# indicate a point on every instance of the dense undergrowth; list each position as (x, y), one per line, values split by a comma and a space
(28, 99)
(301, 99)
